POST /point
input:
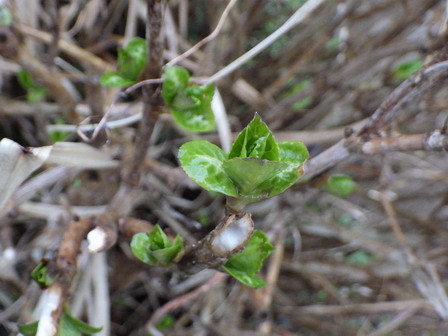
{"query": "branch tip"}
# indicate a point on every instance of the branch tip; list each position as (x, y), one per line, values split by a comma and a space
(97, 239)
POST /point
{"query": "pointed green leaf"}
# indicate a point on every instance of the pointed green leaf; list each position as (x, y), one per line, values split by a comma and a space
(132, 59)
(36, 94)
(250, 280)
(175, 79)
(293, 152)
(202, 161)
(406, 69)
(244, 265)
(251, 259)
(34, 91)
(25, 79)
(190, 105)
(155, 248)
(74, 324)
(66, 328)
(249, 175)
(282, 181)
(165, 323)
(40, 275)
(340, 185)
(29, 329)
(256, 140)
(114, 79)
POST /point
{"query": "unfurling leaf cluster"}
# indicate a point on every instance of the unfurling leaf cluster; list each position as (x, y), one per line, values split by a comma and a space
(189, 104)
(246, 264)
(257, 167)
(155, 248)
(131, 62)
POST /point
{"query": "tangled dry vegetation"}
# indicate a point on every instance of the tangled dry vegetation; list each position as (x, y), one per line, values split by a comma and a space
(371, 263)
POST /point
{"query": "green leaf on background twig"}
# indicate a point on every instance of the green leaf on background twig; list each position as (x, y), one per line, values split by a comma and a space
(340, 185)
(34, 91)
(68, 326)
(190, 105)
(406, 69)
(131, 62)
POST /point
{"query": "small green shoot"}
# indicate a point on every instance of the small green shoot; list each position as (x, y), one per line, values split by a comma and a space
(5, 16)
(68, 326)
(302, 104)
(406, 69)
(155, 248)
(257, 167)
(340, 185)
(189, 104)
(165, 322)
(58, 136)
(360, 258)
(131, 62)
(40, 275)
(34, 91)
(246, 264)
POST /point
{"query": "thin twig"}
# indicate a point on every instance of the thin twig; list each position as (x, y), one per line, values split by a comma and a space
(184, 299)
(299, 16)
(207, 39)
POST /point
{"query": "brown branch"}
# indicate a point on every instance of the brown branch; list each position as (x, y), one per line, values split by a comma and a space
(152, 100)
(105, 235)
(408, 92)
(84, 56)
(184, 299)
(433, 141)
(367, 308)
(64, 270)
(228, 238)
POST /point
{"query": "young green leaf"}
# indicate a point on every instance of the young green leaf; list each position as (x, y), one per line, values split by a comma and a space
(155, 248)
(132, 59)
(249, 175)
(244, 265)
(29, 329)
(406, 69)
(255, 140)
(114, 79)
(25, 79)
(34, 91)
(248, 279)
(175, 79)
(292, 151)
(58, 136)
(281, 181)
(256, 168)
(190, 105)
(193, 110)
(165, 323)
(40, 275)
(202, 161)
(131, 62)
(69, 322)
(340, 185)
(68, 326)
